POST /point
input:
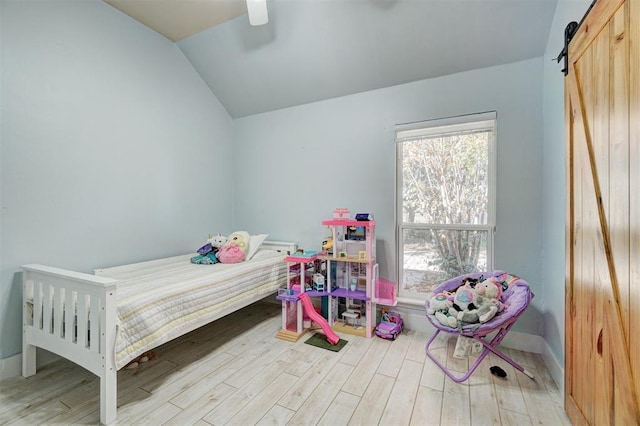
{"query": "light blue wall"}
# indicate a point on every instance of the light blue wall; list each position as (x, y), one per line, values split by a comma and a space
(294, 166)
(553, 180)
(113, 149)
(93, 104)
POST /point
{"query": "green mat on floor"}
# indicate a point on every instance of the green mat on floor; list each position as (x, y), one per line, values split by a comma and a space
(320, 340)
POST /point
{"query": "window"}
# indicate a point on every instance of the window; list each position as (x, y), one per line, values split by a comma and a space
(445, 200)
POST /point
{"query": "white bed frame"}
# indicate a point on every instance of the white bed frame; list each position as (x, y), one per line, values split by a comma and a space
(89, 344)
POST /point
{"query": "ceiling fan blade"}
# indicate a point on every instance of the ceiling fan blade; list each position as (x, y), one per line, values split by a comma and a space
(258, 14)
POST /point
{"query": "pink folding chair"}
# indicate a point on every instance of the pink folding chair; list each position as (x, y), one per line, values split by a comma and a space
(516, 297)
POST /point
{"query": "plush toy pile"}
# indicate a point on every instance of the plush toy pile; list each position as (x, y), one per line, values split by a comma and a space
(220, 249)
(474, 301)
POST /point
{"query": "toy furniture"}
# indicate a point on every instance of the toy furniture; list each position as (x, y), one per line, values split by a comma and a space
(354, 316)
(102, 322)
(331, 336)
(515, 297)
(318, 282)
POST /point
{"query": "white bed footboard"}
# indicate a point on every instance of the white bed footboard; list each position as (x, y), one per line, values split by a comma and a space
(73, 315)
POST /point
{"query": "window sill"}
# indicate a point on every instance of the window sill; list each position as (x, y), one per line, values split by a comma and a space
(411, 302)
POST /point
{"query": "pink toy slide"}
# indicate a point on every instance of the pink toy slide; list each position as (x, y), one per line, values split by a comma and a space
(332, 337)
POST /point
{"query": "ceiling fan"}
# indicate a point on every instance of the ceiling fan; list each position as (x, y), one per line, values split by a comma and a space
(257, 11)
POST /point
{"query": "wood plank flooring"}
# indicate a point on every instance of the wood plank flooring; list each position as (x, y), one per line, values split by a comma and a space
(235, 371)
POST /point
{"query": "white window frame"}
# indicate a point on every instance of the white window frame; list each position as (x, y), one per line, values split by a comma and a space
(416, 130)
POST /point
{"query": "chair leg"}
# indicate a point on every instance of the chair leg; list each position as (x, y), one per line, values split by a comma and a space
(445, 369)
(488, 347)
(491, 346)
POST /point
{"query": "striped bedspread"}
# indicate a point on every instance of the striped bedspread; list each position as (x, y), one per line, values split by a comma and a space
(164, 299)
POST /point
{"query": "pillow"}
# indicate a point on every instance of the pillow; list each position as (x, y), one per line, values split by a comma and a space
(254, 244)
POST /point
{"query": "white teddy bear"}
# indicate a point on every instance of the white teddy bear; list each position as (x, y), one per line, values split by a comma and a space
(491, 290)
(217, 241)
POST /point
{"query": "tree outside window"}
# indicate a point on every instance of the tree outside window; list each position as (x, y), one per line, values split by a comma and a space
(445, 192)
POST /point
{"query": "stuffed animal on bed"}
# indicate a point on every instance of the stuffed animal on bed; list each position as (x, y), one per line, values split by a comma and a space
(235, 249)
(207, 254)
(217, 241)
(205, 259)
(491, 291)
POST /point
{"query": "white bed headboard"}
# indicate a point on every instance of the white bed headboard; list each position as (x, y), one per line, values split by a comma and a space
(285, 247)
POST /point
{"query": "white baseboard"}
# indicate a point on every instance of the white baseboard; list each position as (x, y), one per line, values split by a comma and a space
(12, 366)
(524, 342)
(556, 369)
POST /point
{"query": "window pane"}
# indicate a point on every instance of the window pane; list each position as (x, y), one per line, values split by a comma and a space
(432, 256)
(445, 179)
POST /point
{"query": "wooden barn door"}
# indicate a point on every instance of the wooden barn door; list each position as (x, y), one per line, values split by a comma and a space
(602, 99)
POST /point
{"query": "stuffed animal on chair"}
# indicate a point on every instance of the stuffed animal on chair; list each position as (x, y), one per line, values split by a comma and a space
(465, 304)
(439, 306)
(491, 292)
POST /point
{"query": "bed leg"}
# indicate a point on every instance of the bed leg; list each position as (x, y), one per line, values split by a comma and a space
(28, 360)
(28, 351)
(108, 396)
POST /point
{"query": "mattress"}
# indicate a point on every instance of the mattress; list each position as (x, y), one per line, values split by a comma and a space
(160, 300)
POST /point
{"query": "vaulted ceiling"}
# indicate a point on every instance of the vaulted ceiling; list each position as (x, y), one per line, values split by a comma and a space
(312, 50)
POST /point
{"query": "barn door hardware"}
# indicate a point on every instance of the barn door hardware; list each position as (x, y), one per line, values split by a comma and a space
(569, 32)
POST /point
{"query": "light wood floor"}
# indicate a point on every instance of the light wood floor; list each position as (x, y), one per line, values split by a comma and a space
(235, 371)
